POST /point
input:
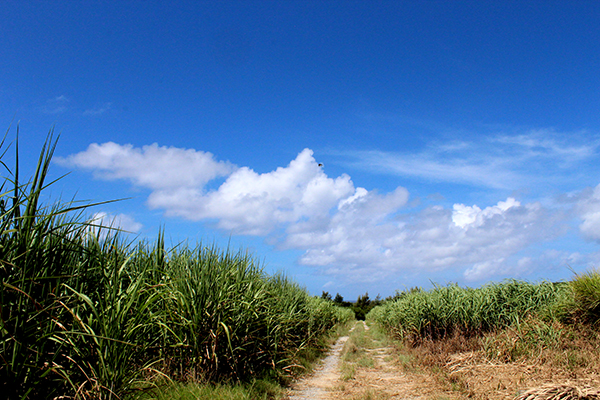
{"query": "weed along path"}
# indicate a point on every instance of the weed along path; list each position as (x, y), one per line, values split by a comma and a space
(365, 366)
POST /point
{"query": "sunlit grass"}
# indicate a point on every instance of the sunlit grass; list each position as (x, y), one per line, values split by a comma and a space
(257, 390)
(553, 325)
(444, 310)
(584, 305)
(86, 314)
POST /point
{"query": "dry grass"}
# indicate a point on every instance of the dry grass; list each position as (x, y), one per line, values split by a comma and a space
(560, 392)
(512, 363)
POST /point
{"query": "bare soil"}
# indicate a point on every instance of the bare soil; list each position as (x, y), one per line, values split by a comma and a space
(319, 385)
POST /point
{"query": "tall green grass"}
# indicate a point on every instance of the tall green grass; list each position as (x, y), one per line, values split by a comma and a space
(582, 304)
(417, 314)
(446, 310)
(85, 314)
(40, 248)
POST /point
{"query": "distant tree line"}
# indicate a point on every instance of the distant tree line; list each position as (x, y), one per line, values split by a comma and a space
(361, 307)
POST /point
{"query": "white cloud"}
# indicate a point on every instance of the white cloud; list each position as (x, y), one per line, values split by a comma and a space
(56, 105)
(484, 270)
(495, 268)
(247, 202)
(550, 262)
(349, 232)
(588, 208)
(464, 216)
(488, 172)
(383, 244)
(543, 143)
(98, 110)
(154, 167)
(498, 162)
(121, 222)
(255, 204)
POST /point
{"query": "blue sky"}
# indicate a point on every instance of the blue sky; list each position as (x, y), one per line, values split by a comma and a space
(357, 146)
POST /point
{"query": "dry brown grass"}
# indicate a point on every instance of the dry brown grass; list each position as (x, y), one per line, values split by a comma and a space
(514, 363)
(431, 353)
(560, 392)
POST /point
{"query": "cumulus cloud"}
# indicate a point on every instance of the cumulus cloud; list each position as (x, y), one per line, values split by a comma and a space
(121, 222)
(465, 216)
(155, 167)
(247, 202)
(379, 243)
(346, 231)
(252, 203)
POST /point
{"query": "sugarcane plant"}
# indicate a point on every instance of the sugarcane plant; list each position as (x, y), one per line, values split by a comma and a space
(85, 314)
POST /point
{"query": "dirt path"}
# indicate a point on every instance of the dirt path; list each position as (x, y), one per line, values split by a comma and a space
(319, 385)
(366, 369)
(366, 366)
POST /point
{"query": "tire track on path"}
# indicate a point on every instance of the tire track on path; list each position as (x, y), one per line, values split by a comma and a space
(384, 378)
(319, 384)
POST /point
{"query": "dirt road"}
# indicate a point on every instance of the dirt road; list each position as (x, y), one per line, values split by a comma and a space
(364, 366)
(319, 385)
